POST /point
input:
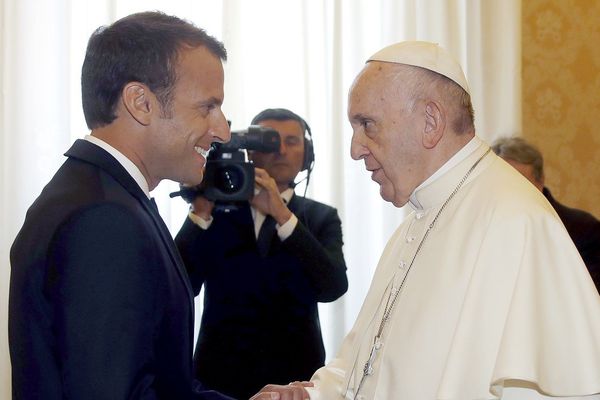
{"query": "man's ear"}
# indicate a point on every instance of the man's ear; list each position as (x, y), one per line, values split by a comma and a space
(138, 101)
(435, 124)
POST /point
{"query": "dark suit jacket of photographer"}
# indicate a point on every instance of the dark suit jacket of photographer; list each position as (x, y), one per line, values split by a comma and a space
(584, 229)
(100, 305)
(260, 322)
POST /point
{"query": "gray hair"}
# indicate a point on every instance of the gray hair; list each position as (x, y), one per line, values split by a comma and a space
(519, 150)
(424, 82)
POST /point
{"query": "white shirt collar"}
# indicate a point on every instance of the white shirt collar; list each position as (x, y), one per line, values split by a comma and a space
(129, 166)
(461, 155)
(287, 194)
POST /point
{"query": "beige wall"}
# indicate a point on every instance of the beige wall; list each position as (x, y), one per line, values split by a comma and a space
(561, 95)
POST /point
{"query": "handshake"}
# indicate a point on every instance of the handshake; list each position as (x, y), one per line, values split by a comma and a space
(293, 391)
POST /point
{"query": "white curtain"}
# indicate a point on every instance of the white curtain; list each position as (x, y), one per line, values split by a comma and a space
(298, 54)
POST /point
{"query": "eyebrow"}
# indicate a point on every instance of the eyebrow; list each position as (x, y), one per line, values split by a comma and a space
(359, 117)
(210, 101)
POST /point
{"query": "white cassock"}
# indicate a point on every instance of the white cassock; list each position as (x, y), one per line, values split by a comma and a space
(497, 304)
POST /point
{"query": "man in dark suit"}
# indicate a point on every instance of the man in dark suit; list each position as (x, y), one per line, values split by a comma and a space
(582, 226)
(100, 303)
(263, 280)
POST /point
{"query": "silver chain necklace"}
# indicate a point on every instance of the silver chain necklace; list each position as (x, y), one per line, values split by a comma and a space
(394, 293)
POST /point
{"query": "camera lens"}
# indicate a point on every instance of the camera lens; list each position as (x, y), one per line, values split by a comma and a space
(229, 179)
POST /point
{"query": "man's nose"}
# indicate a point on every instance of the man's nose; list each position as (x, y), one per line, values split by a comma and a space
(282, 148)
(358, 148)
(221, 131)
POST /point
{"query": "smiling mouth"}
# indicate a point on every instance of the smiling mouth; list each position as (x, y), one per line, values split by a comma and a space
(203, 152)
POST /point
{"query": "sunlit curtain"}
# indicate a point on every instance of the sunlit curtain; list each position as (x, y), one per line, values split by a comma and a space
(298, 54)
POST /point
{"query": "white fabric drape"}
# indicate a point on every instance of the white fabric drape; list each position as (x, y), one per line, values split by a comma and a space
(298, 54)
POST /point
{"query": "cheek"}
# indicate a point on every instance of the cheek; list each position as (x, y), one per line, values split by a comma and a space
(381, 154)
(299, 157)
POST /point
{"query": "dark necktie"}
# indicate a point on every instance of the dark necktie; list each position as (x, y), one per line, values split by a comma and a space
(153, 202)
(265, 235)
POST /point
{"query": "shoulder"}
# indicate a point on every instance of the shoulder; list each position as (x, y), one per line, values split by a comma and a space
(310, 204)
(315, 215)
(85, 195)
(123, 223)
(573, 216)
(305, 207)
(503, 195)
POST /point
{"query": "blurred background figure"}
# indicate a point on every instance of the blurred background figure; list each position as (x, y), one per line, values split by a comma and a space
(582, 226)
(264, 265)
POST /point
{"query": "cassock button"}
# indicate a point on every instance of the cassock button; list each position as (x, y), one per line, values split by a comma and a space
(402, 264)
(420, 215)
(409, 239)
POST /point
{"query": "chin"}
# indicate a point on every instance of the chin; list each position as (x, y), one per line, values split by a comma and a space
(193, 181)
(399, 203)
(385, 196)
(391, 198)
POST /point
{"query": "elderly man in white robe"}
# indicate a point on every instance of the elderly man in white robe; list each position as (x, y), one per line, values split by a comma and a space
(480, 293)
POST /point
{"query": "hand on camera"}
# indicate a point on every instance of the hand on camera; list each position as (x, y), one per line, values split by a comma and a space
(268, 200)
(202, 207)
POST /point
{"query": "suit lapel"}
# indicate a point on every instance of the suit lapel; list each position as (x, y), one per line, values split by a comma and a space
(294, 204)
(170, 244)
(297, 205)
(90, 153)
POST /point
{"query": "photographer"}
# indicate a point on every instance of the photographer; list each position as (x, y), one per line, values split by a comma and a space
(264, 267)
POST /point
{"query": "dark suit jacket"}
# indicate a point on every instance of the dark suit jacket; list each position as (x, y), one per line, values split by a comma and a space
(100, 305)
(260, 322)
(584, 229)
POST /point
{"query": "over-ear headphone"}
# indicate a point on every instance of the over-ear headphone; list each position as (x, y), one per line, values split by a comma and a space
(309, 150)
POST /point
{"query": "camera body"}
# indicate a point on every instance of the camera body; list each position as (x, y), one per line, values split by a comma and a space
(229, 176)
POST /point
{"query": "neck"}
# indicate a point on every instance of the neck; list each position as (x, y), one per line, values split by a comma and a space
(113, 135)
(282, 187)
(451, 144)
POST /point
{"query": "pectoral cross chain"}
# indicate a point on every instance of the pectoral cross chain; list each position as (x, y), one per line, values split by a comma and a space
(368, 369)
(394, 293)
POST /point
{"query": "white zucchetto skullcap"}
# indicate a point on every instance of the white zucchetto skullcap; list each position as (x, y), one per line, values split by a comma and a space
(425, 55)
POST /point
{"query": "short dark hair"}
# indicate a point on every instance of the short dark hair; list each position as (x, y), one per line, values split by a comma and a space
(141, 47)
(519, 150)
(279, 114)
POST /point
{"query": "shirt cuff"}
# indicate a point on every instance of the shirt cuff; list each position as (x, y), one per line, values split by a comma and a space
(201, 222)
(284, 231)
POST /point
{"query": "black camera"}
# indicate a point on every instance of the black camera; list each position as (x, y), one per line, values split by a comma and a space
(228, 176)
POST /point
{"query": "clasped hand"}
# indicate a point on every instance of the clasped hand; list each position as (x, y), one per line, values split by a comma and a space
(268, 200)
